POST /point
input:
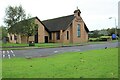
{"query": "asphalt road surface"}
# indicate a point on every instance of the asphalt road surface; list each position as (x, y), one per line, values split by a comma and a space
(50, 51)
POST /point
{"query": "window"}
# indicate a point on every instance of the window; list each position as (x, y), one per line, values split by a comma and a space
(58, 35)
(78, 30)
(67, 35)
(10, 37)
(50, 36)
(15, 37)
(78, 13)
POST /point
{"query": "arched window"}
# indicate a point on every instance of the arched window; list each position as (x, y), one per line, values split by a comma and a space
(78, 30)
(10, 37)
(58, 35)
(78, 13)
(67, 35)
(15, 37)
(50, 36)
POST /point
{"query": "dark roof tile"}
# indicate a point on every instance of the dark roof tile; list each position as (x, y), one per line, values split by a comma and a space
(58, 24)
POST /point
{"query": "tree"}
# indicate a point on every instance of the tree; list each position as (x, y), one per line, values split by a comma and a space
(14, 15)
(16, 20)
(3, 31)
(94, 34)
(29, 28)
(111, 31)
(118, 32)
(25, 28)
(103, 32)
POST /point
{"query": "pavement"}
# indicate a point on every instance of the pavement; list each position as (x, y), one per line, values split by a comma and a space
(50, 51)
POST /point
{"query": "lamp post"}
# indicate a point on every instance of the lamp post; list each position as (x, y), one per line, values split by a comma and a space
(115, 24)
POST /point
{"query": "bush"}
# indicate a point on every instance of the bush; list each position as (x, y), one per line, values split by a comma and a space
(105, 38)
(93, 39)
(101, 38)
(31, 43)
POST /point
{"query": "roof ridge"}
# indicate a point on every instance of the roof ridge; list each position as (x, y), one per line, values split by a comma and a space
(58, 17)
(59, 23)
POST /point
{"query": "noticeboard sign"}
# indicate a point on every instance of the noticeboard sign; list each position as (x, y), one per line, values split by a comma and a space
(113, 36)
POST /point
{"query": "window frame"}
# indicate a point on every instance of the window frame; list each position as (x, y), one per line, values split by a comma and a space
(67, 35)
(50, 36)
(78, 13)
(57, 35)
(78, 30)
(10, 37)
(15, 37)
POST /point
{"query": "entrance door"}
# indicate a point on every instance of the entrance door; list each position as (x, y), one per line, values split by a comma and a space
(36, 38)
(46, 39)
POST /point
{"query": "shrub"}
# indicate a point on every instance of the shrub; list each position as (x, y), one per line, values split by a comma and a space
(105, 38)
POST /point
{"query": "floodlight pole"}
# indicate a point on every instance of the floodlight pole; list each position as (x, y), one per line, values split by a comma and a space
(115, 24)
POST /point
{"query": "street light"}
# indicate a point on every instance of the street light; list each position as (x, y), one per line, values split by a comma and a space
(115, 24)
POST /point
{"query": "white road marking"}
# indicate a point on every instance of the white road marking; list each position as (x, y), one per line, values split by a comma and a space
(7, 51)
(9, 56)
(55, 51)
(3, 52)
(12, 53)
(3, 55)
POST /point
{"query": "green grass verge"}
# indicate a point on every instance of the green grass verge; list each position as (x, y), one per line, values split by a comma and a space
(89, 64)
(13, 46)
(27, 45)
(102, 42)
(47, 45)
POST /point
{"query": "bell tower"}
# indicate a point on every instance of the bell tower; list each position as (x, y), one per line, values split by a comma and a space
(77, 12)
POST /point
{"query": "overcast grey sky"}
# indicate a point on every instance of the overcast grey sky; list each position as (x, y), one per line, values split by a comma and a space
(95, 13)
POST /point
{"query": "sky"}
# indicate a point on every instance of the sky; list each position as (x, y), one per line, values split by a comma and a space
(95, 13)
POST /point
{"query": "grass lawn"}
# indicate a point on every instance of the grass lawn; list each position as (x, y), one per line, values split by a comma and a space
(101, 63)
(47, 45)
(27, 45)
(13, 45)
(101, 42)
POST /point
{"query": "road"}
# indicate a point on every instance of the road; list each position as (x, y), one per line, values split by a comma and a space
(50, 51)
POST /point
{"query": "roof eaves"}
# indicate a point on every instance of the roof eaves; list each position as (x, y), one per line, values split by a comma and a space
(42, 23)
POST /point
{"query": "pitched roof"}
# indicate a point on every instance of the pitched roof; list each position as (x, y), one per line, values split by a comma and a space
(40, 22)
(87, 30)
(58, 24)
